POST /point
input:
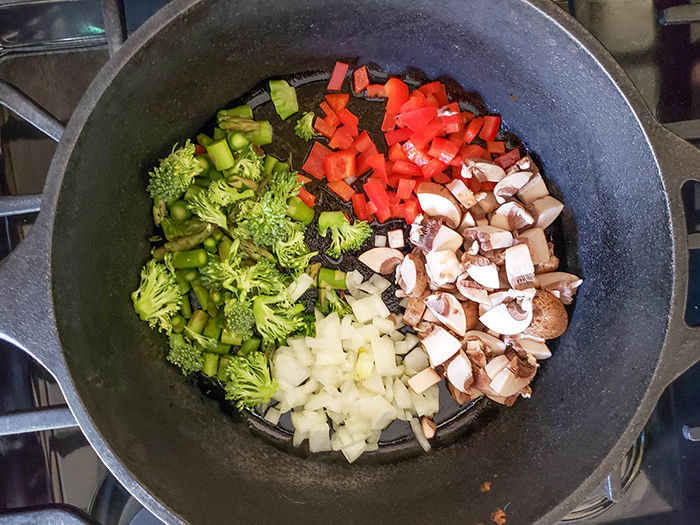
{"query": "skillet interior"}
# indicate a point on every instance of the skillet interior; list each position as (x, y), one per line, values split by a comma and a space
(210, 469)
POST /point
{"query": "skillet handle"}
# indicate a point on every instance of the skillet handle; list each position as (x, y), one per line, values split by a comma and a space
(680, 163)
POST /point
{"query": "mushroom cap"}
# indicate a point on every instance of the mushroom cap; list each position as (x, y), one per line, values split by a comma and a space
(549, 317)
(459, 372)
(471, 314)
(482, 170)
(443, 266)
(381, 260)
(494, 344)
(508, 318)
(511, 216)
(462, 193)
(472, 290)
(412, 276)
(510, 184)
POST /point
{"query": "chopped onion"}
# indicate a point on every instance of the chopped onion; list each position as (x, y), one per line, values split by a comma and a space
(380, 241)
(300, 286)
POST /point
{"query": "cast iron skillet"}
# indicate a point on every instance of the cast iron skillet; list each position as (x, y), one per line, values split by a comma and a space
(65, 292)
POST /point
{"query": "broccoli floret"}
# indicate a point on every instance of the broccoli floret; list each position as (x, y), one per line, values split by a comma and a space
(308, 327)
(261, 278)
(222, 273)
(265, 221)
(158, 296)
(239, 317)
(329, 302)
(247, 164)
(276, 318)
(221, 193)
(293, 253)
(184, 354)
(208, 211)
(285, 184)
(251, 383)
(203, 341)
(176, 171)
(344, 236)
(305, 126)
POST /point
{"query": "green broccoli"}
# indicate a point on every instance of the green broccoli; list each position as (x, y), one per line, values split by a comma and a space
(158, 296)
(329, 302)
(247, 164)
(261, 278)
(184, 354)
(265, 220)
(276, 318)
(176, 172)
(202, 206)
(293, 253)
(308, 326)
(285, 184)
(344, 236)
(305, 126)
(250, 382)
(206, 343)
(221, 193)
(239, 317)
(222, 273)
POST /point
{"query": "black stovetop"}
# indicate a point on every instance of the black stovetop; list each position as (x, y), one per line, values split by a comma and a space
(52, 49)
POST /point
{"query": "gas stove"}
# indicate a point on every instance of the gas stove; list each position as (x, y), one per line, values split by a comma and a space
(52, 49)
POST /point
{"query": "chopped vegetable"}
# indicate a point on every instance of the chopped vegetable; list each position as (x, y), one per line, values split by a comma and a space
(251, 384)
(360, 80)
(284, 97)
(305, 126)
(344, 236)
(275, 317)
(157, 298)
(175, 173)
(337, 77)
(184, 354)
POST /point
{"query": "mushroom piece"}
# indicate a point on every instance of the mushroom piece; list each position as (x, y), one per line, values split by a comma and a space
(486, 276)
(494, 344)
(524, 164)
(448, 310)
(428, 427)
(423, 380)
(475, 350)
(462, 193)
(496, 298)
(471, 313)
(510, 184)
(536, 349)
(533, 190)
(458, 396)
(494, 367)
(412, 276)
(511, 216)
(437, 201)
(395, 239)
(508, 318)
(459, 372)
(440, 345)
(430, 317)
(551, 264)
(468, 221)
(472, 290)
(562, 285)
(442, 266)
(482, 170)
(487, 201)
(414, 311)
(381, 260)
(489, 238)
(446, 239)
(519, 267)
(423, 232)
(537, 243)
(549, 317)
(546, 209)
(515, 376)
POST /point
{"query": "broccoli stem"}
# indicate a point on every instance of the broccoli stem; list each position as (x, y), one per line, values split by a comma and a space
(178, 321)
(203, 161)
(180, 211)
(230, 339)
(219, 133)
(211, 363)
(189, 274)
(262, 136)
(179, 329)
(182, 283)
(202, 182)
(269, 164)
(221, 374)
(299, 211)
(185, 307)
(224, 248)
(190, 259)
(211, 329)
(220, 348)
(192, 190)
(202, 294)
(249, 346)
(244, 111)
(204, 140)
(220, 154)
(330, 219)
(284, 97)
(189, 241)
(237, 141)
(329, 278)
(198, 321)
(212, 310)
(217, 234)
(210, 244)
(159, 253)
(216, 297)
(221, 319)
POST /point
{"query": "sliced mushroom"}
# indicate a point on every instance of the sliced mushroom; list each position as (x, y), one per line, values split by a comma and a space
(440, 345)
(462, 193)
(497, 257)
(510, 184)
(495, 298)
(494, 344)
(533, 190)
(423, 380)
(536, 349)
(537, 243)
(546, 209)
(486, 276)
(471, 313)
(473, 249)
(508, 318)
(442, 266)
(476, 351)
(428, 426)
(549, 317)
(468, 221)
(487, 202)
(381, 260)
(448, 310)
(515, 376)
(437, 201)
(413, 278)
(472, 290)
(395, 239)
(494, 367)
(519, 267)
(562, 285)
(446, 239)
(489, 238)
(482, 170)
(430, 317)
(524, 164)
(458, 396)
(459, 372)
(423, 232)
(414, 311)
(511, 216)
(551, 264)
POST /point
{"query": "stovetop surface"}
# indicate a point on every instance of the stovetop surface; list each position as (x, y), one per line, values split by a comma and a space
(662, 486)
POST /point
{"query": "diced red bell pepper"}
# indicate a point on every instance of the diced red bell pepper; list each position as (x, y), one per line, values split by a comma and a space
(456, 171)
(396, 211)
(473, 129)
(360, 80)
(397, 91)
(341, 139)
(452, 122)
(471, 150)
(414, 154)
(396, 153)
(377, 194)
(339, 165)
(433, 167)
(307, 198)
(337, 100)
(348, 118)
(199, 150)
(450, 108)
(456, 139)
(378, 164)
(376, 91)
(412, 104)
(362, 166)
(441, 178)
(418, 118)
(431, 102)
(371, 208)
(314, 162)
(405, 188)
(342, 189)
(437, 89)
(443, 149)
(331, 116)
(397, 135)
(393, 199)
(376, 178)
(496, 148)
(423, 136)
(383, 216)
(456, 161)
(488, 185)
(507, 160)
(337, 77)
(359, 205)
(363, 142)
(467, 116)
(399, 122)
(486, 155)
(393, 180)
(324, 127)
(490, 129)
(302, 179)
(407, 168)
(410, 211)
(474, 185)
(389, 122)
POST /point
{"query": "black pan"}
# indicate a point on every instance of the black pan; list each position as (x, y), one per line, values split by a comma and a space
(65, 292)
